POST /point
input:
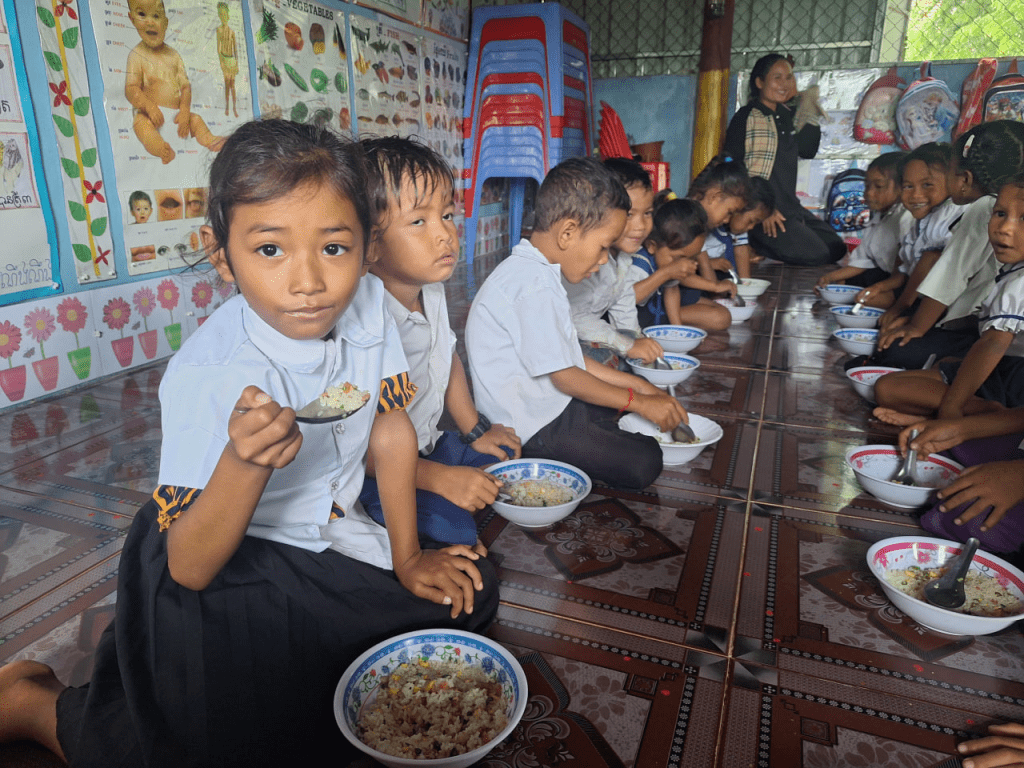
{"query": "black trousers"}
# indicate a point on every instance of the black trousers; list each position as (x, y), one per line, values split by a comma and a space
(808, 241)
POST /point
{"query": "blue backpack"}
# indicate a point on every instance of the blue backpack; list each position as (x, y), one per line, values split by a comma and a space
(845, 207)
(927, 111)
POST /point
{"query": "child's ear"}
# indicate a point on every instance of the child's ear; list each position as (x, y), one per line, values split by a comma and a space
(566, 230)
(215, 254)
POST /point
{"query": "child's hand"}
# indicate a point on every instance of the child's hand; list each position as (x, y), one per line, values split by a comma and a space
(862, 295)
(680, 269)
(154, 113)
(493, 440)
(830, 279)
(933, 436)
(997, 485)
(1004, 746)
(443, 576)
(720, 263)
(898, 331)
(727, 286)
(890, 320)
(262, 432)
(646, 349)
(183, 118)
(470, 487)
(661, 408)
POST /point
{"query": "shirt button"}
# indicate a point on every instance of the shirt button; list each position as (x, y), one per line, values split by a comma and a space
(334, 485)
(339, 427)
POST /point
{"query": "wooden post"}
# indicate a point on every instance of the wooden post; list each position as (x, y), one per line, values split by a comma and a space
(712, 83)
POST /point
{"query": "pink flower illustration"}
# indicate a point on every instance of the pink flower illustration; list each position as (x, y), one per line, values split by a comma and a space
(10, 341)
(116, 313)
(145, 303)
(167, 294)
(202, 294)
(40, 326)
(71, 314)
(225, 289)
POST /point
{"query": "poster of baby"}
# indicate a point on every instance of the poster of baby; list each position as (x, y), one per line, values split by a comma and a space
(173, 90)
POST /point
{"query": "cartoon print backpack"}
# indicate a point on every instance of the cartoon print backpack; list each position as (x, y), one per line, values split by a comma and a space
(875, 122)
(927, 111)
(1004, 100)
(972, 94)
(846, 209)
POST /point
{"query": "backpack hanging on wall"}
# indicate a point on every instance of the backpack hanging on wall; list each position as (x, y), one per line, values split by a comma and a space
(927, 111)
(846, 209)
(972, 94)
(875, 122)
(1004, 100)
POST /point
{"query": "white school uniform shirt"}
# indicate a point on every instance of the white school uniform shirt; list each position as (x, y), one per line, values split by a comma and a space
(235, 348)
(1003, 308)
(519, 331)
(609, 290)
(880, 243)
(928, 234)
(429, 343)
(962, 278)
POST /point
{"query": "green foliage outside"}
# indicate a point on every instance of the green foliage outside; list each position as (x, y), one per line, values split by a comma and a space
(941, 30)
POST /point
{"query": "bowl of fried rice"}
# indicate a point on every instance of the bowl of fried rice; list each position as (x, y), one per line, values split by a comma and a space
(441, 698)
(536, 493)
(994, 588)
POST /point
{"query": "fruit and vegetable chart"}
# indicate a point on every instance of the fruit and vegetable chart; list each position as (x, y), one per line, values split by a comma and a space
(387, 76)
(301, 59)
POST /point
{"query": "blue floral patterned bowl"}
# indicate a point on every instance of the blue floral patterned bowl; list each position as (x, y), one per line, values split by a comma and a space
(358, 686)
(557, 472)
(676, 338)
(683, 367)
(857, 341)
(837, 293)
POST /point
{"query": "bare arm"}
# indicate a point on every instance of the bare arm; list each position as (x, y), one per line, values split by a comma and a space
(980, 361)
(924, 266)
(459, 402)
(742, 255)
(925, 317)
(670, 298)
(134, 91)
(676, 270)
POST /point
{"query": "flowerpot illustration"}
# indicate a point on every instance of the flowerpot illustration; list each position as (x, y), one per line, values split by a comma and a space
(56, 421)
(81, 361)
(123, 350)
(23, 429)
(148, 342)
(47, 370)
(88, 409)
(12, 382)
(173, 334)
(200, 321)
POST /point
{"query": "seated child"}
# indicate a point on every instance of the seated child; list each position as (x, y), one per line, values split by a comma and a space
(925, 195)
(728, 246)
(679, 232)
(524, 355)
(415, 250)
(604, 305)
(873, 259)
(985, 379)
(983, 159)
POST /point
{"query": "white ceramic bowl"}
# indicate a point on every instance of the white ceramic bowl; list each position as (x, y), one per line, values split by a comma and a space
(901, 552)
(739, 314)
(857, 341)
(836, 293)
(559, 472)
(674, 454)
(659, 377)
(752, 287)
(866, 317)
(863, 379)
(875, 464)
(358, 686)
(676, 338)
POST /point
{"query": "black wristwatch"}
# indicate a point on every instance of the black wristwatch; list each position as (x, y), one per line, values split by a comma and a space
(477, 432)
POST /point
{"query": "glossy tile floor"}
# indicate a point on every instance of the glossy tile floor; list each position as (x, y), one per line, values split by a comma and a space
(722, 617)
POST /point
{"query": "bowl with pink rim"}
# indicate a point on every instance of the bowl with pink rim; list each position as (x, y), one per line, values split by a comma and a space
(863, 379)
(874, 466)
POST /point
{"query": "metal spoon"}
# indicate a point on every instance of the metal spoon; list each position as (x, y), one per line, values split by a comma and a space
(740, 301)
(905, 474)
(859, 305)
(947, 591)
(928, 362)
(683, 434)
(660, 363)
(314, 413)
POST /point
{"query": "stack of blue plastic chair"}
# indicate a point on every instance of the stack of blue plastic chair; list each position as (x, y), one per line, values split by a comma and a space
(528, 104)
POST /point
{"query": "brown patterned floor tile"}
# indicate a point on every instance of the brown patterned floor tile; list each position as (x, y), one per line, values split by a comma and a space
(808, 604)
(800, 354)
(736, 347)
(825, 399)
(810, 322)
(717, 390)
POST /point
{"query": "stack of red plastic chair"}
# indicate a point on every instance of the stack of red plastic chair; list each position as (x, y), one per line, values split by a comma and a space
(528, 101)
(612, 139)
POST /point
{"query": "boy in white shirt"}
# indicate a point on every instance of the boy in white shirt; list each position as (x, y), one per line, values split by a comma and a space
(524, 355)
(413, 253)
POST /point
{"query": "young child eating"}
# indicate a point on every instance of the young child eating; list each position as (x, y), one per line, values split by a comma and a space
(524, 355)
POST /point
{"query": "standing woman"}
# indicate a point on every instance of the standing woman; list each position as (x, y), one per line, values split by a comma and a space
(762, 134)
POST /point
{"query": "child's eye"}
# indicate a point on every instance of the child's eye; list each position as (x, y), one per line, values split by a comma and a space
(335, 249)
(417, 223)
(269, 250)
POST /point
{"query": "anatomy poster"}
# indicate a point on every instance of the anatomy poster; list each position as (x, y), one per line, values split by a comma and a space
(175, 84)
(386, 68)
(302, 62)
(444, 71)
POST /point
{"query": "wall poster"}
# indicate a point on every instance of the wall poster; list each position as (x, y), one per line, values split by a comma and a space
(444, 74)
(175, 84)
(386, 68)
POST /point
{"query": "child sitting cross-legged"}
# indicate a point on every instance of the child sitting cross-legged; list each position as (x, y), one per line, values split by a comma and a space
(987, 378)
(415, 250)
(524, 354)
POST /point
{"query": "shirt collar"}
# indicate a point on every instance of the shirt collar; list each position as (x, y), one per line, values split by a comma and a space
(1008, 269)
(528, 250)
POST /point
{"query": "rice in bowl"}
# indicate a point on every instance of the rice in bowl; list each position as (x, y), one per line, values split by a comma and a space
(538, 493)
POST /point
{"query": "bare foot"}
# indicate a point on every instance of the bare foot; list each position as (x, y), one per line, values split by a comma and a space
(167, 153)
(479, 548)
(28, 699)
(889, 416)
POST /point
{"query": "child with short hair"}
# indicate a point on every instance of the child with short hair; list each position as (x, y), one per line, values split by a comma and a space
(925, 194)
(141, 205)
(874, 257)
(728, 245)
(987, 378)
(415, 249)
(253, 578)
(524, 355)
(612, 292)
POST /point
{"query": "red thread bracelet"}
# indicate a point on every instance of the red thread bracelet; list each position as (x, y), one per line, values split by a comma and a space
(628, 402)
